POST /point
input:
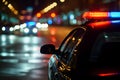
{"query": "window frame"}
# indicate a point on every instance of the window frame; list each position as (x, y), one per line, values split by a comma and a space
(69, 45)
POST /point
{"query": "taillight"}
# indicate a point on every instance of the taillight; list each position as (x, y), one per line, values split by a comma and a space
(107, 74)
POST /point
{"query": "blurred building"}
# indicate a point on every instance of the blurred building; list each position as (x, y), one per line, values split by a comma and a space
(69, 10)
(66, 11)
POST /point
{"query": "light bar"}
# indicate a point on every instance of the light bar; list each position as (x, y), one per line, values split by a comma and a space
(94, 15)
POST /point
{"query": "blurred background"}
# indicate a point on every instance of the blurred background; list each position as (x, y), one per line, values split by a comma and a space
(51, 12)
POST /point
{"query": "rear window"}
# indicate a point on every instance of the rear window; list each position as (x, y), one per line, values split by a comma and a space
(106, 59)
(110, 53)
(106, 50)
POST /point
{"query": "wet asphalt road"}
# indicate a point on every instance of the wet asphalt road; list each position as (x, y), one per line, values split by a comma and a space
(20, 57)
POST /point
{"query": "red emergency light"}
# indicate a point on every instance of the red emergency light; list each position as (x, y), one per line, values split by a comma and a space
(101, 15)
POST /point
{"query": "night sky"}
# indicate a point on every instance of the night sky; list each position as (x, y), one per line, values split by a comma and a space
(24, 4)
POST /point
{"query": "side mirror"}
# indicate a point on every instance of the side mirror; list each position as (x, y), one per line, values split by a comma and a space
(47, 49)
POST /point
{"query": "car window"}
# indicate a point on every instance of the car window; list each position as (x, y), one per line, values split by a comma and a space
(109, 53)
(69, 44)
(106, 49)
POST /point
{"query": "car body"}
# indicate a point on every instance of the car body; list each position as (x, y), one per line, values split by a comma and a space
(89, 51)
(29, 31)
(6, 30)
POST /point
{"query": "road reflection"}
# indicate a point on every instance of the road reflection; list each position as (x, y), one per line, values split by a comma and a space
(7, 40)
(20, 56)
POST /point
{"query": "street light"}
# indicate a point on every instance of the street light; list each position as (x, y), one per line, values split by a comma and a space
(62, 0)
(53, 15)
(38, 15)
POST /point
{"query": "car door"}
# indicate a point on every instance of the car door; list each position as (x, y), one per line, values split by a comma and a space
(67, 50)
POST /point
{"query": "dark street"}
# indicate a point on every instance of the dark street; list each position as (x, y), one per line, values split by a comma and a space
(20, 57)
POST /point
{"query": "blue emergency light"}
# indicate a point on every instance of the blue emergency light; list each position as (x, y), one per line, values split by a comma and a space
(114, 14)
(31, 23)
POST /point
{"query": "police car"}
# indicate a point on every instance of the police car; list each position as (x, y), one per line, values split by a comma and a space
(90, 51)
